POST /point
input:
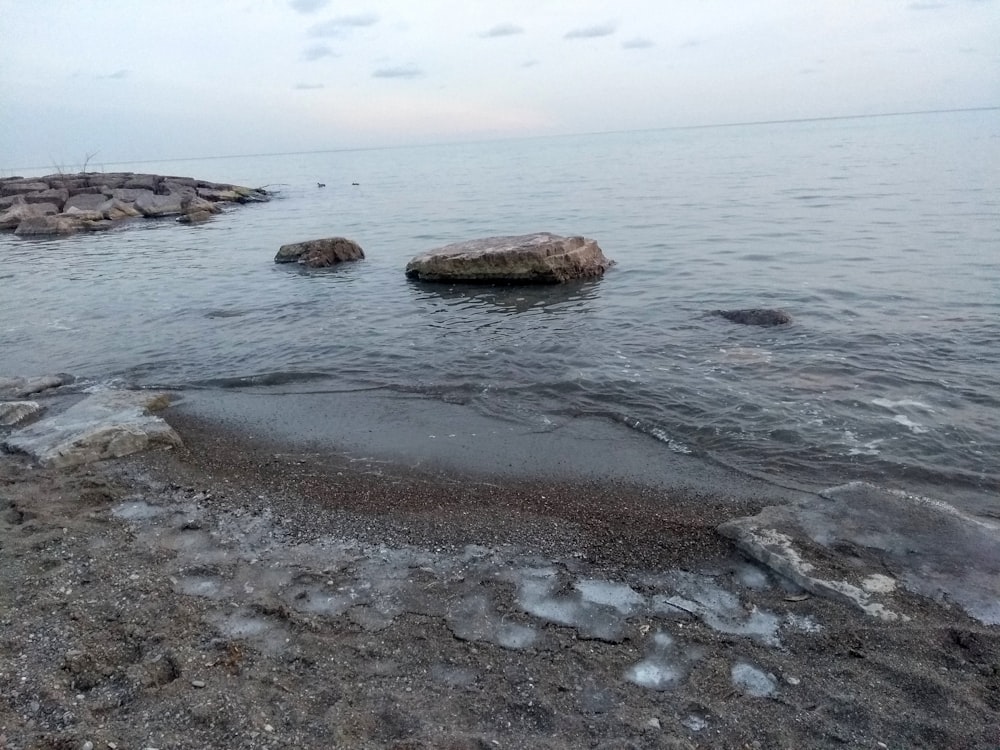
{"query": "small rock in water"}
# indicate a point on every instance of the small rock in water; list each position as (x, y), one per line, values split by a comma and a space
(758, 316)
(198, 683)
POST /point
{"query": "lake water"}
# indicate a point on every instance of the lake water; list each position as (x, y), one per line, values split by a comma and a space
(881, 236)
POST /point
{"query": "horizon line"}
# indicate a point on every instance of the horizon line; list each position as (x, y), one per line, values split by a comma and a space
(702, 126)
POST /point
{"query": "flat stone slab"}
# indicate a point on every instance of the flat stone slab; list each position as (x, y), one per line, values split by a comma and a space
(853, 543)
(108, 424)
(541, 258)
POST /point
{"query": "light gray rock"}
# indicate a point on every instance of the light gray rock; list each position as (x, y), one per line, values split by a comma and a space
(23, 387)
(532, 258)
(108, 424)
(928, 546)
(85, 202)
(154, 206)
(14, 412)
(13, 216)
(115, 210)
(320, 253)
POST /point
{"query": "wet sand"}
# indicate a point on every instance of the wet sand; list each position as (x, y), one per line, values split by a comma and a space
(242, 592)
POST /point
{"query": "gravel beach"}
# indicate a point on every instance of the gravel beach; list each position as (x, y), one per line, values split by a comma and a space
(244, 593)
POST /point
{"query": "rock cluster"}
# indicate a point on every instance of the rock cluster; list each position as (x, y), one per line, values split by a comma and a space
(320, 253)
(66, 203)
(541, 258)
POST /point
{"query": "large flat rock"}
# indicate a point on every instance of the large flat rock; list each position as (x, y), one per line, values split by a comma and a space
(855, 542)
(541, 258)
(107, 424)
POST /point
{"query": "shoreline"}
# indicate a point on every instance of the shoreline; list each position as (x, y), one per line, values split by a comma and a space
(241, 592)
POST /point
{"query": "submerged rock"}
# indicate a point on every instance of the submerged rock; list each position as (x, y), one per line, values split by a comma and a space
(320, 253)
(758, 316)
(109, 424)
(541, 258)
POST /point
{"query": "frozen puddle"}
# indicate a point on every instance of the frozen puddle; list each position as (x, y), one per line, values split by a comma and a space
(242, 564)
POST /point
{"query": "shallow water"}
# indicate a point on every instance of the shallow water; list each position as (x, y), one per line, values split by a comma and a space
(880, 236)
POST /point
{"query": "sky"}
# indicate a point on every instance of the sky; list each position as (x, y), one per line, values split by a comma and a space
(127, 80)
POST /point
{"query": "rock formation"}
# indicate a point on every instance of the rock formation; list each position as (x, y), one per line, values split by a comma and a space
(526, 259)
(755, 316)
(320, 253)
(67, 203)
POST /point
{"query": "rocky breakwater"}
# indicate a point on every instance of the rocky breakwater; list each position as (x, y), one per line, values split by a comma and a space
(60, 204)
(541, 258)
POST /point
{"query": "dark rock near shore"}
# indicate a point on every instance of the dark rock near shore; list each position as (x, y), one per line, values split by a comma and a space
(320, 253)
(62, 204)
(755, 316)
(541, 258)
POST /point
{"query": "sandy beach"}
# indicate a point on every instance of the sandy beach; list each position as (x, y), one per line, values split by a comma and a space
(246, 593)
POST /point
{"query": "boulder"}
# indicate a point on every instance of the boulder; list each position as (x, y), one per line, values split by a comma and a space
(195, 217)
(320, 253)
(55, 196)
(142, 181)
(44, 226)
(107, 424)
(20, 187)
(758, 316)
(114, 210)
(85, 202)
(10, 200)
(19, 212)
(154, 206)
(541, 258)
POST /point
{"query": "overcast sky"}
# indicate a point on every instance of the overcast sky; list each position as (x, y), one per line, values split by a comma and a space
(138, 79)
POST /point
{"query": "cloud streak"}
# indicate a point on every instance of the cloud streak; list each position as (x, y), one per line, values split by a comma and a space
(592, 32)
(317, 52)
(117, 75)
(342, 24)
(308, 86)
(308, 6)
(400, 71)
(502, 29)
(638, 43)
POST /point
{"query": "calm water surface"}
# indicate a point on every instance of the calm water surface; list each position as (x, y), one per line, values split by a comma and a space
(880, 236)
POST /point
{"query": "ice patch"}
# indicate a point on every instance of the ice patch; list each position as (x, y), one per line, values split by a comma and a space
(752, 681)
(617, 595)
(138, 510)
(653, 673)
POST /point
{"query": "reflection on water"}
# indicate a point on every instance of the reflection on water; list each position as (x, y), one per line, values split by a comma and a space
(555, 299)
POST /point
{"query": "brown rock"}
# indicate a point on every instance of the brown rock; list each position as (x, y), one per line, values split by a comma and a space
(320, 253)
(541, 258)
